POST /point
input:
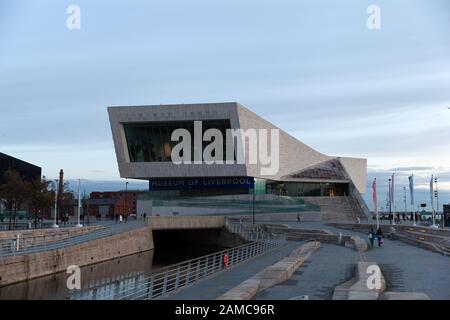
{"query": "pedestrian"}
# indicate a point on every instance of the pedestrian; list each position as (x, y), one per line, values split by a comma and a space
(120, 218)
(298, 218)
(380, 237)
(371, 236)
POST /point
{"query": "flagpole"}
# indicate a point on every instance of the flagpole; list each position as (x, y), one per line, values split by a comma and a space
(375, 201)
(414, 199)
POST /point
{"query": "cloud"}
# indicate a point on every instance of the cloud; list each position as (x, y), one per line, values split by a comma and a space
(412, 169)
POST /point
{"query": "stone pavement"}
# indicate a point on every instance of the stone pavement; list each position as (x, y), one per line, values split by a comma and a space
(406, 268)
(328, 267)
(217, 285)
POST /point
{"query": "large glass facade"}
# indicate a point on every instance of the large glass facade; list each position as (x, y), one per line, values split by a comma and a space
(308, 189)
(151, 141)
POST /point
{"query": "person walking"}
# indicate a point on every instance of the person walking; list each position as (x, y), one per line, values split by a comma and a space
(380, 237)
(371, 236)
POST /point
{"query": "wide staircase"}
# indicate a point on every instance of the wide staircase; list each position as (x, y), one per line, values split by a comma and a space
(333, 208)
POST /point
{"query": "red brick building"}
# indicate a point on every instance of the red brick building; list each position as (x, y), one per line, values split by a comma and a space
(111, 204)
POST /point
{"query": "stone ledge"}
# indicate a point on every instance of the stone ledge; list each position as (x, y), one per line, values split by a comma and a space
(360, 291)
(405, 296)
(272, 275)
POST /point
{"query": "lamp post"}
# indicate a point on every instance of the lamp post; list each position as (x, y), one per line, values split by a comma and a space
(404, 199)
(437, 201)
(79, 225)
(433, 212)
(413, 201)
(254, 204)
(54, 225)
(126, 199)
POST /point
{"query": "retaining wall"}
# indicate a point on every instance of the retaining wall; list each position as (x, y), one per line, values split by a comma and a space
(20, 268)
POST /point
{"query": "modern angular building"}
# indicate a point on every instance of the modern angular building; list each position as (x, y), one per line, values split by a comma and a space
(26, 170)
(142, 139)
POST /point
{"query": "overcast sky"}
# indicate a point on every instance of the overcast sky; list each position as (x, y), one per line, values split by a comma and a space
(312, 68)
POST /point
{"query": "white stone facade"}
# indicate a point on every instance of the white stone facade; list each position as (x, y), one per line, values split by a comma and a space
(294, 155)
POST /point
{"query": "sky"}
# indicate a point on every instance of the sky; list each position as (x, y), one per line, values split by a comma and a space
(312, 68)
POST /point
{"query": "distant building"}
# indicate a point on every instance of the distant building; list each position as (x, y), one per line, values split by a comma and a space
(26, 170)
(107, 205)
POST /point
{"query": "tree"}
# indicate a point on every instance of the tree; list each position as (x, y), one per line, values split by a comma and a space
(41, 197)
(65, 200)
(14, 192)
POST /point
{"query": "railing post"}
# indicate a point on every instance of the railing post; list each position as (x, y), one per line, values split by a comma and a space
(177, 277)
(150, 289)
(188, 272)
(198, 269)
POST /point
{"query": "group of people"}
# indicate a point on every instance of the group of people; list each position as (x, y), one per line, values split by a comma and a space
(378, 236)
(399, 217)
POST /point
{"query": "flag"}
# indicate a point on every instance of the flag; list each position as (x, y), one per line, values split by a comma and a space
(374, 188)
(411, 188)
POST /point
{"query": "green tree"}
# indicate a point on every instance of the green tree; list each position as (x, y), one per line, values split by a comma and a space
(41, 197)
(15, 191)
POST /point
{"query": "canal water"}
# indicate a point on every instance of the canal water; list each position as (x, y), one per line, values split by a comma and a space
(54, 287)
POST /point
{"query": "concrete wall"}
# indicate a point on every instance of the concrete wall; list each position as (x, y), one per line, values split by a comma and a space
(187, 222)
(164, 113)
(20, 268)
(357, 170)
(54, 286)
(29, 238)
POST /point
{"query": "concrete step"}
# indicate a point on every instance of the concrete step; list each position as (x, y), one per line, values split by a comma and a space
(341, 291)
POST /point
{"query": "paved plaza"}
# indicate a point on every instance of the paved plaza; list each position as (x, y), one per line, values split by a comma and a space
(406, 268)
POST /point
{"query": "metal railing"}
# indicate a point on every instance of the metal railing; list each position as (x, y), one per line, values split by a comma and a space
(19, 245)
(174, 277)
(145, 286)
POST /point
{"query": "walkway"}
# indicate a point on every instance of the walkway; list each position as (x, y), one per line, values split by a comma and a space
(406, 268)
(218, 284)
(330, 266)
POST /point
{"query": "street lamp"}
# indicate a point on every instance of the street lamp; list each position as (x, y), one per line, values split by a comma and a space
(126, 198)
(54, 225)
(79, 225)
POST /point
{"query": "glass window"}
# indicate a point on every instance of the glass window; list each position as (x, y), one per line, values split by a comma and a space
(150, 141)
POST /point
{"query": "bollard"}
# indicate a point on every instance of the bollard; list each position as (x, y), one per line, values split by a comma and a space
(12, 245)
